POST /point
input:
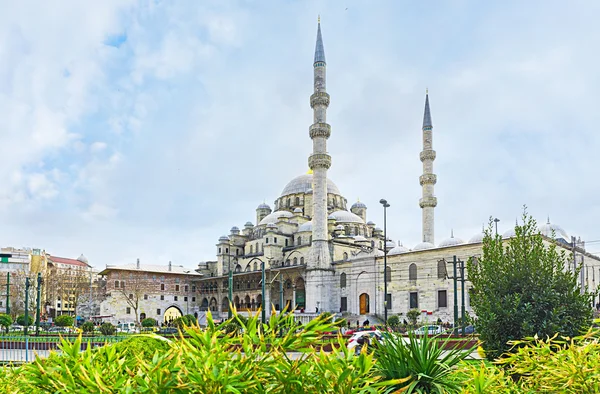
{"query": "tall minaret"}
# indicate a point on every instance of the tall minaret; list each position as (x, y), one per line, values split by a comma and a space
(428, 179)
(319, 262)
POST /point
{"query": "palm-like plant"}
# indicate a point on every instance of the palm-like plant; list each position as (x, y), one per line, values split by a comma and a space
(422, 363)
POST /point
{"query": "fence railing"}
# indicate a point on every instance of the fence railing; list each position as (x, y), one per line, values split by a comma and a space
(20, 348)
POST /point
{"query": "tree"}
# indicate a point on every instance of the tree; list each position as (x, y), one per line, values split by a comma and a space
(149, 322)
(412, 316)
(5, 321)
(22, 322)
(64, 321)
(107, 329)
(523, 287)
(132, 289)
(87, 327)
(393, 321)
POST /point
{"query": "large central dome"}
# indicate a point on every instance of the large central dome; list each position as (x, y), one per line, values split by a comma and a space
(303, 183)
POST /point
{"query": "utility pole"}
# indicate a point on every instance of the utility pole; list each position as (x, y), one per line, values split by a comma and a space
(8, 293)
(455, 294)
(462, 296)
(385, 296)
(574, 257)
(26, 304)
(38, 303)
(262, 301)
(230, 283)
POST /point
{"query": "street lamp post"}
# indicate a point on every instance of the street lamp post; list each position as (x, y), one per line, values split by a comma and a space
(496, 220)
(230, 283)
(385, 206)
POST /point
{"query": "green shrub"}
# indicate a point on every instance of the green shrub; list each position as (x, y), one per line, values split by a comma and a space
(186, 320)
(87, 327)
(412, 316)
(63, 321)
(5, 321)
(149, 322)
(341, 323)
(418, 364)
(108, 329)
(393, 321)
(143, 346)
(21, 320)
(484, 378)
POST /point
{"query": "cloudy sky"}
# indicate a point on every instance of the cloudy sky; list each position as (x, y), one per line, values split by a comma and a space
(148, 129)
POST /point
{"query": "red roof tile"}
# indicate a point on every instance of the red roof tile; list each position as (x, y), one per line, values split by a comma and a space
(63, 260)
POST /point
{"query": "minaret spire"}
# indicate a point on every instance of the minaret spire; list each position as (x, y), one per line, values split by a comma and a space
(428, 202)
(319, 261)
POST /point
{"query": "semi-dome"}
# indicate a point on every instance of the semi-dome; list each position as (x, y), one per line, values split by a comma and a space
(370, 223)
(477, 238)
(298, 210)
(389, 245)
(82, 258)
(331, 217)
(274, 217)
(305, 227)
(235, 230)
(451, 241)
(346, 217)
(340, 227)
(223, 238)
(398, 250)
(360, 238)
(303, 183)
(549, 229)
(271, 225)
(248, 224)
(263, 206)
(424, 246)
(358, 204)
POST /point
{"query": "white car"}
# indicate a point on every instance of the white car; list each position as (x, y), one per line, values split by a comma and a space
(129, 327)
(372, 334)
(429, 330)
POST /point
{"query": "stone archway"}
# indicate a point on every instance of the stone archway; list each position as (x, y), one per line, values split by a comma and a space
(172, 313)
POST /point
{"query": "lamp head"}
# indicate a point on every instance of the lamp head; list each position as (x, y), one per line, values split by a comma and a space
(384, 203)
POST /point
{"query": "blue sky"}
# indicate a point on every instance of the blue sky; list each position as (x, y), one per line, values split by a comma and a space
(148, 129)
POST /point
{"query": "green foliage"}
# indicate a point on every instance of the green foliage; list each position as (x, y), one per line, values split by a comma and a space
(521, 288)
(143, 346)
(412, 316)
(149, 322)
(209, 361)
(186, 320)
(5, 321)
(64, 321)
(484, 378)
(87, 327)
(341, 323)
(108, 329)
(394, 321)
(418, 365)
(235, 324)
(21, 320)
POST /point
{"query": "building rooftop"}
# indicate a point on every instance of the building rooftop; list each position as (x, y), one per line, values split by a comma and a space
(160, 269)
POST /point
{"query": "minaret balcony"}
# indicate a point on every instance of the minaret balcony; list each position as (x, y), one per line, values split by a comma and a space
(428, 179)
(427, 155)
(428, 202)
(319, 130)
(319, 98)
(319, 160)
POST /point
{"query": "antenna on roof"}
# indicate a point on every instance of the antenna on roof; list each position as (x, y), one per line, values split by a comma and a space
(137, 265)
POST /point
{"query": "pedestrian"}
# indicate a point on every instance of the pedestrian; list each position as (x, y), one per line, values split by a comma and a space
(317, 309)
(366, 323)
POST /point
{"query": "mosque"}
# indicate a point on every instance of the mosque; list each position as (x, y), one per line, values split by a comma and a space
(319, 255)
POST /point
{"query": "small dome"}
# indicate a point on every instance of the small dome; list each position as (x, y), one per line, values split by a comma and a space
(451, 241)
(398, 250)
(331, 217)
(223, 238)
(378, 229)
(305, 227)
(346, 217)
(549, 228)
(274, 217)
(339, 227)
(235, 230)
(360, 238)
(264, 206)
(370, 223)
(298, 210)
(303, 183)
(379, 253)
(424, 246)
(82, 258)
(358, 204)
(477, 238)
(509, 233)
(389, 245)
(248, 224)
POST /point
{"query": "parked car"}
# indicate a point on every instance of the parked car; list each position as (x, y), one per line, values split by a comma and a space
(129, 328)
(373, 335)
(428, 330)
(168, 330)
(15, 328)
(63, 330)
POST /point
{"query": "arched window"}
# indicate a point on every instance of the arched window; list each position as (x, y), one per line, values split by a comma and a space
(301, 260)
(343, 280)
(441, 268)
(295, 261)
(412, 272)
(299, 240)
(116, 284)
(388, 275)
(289, 202)
(248, 267)
(255, 266)
(345, 256)
(297, 200)
(238, 268)
(287, 262)
(251, 249)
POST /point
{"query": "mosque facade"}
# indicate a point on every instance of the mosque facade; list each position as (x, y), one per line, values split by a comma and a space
(322, 255)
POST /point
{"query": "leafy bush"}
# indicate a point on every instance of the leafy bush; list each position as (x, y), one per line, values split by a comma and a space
(87, 327)
(21, 320)
(5, 321)
(63, 321)
(149, 322)
(393, 321)
(419, 365)
(209, 361)
(108, 329)
(143, 346)
(341, 323)
(521, 288)
(412, 316)
(483, 378)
